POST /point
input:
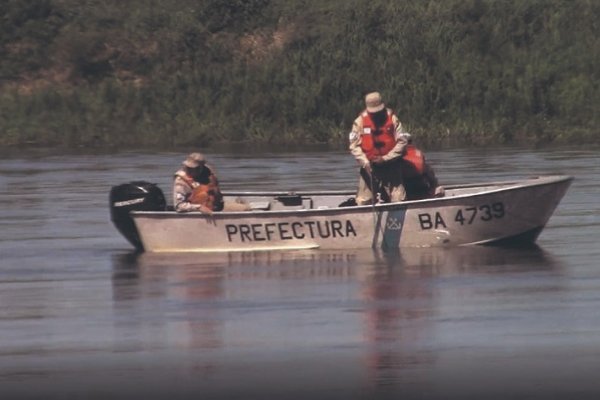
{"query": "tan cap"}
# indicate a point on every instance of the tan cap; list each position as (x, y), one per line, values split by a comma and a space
(374, 102)
(194, 160)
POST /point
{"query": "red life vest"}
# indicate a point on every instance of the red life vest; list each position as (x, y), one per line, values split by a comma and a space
(413, 162)
(377, 142)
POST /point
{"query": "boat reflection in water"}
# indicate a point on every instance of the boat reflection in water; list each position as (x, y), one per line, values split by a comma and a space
(359, 321)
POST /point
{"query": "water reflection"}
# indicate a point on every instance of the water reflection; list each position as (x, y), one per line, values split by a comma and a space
(215, 304)
(430, 261)
(403, 294)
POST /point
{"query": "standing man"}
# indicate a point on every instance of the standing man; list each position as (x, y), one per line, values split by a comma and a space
(377, 142)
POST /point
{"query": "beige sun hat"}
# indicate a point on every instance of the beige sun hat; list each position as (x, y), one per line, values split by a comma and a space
(374, 102)
(194, 160)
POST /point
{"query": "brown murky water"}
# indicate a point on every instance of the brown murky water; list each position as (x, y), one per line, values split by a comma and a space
(82, 316)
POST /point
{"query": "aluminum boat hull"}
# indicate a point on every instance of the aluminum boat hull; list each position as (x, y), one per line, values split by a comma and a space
(497, 212)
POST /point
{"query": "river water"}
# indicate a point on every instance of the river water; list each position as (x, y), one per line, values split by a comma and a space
(83, 316)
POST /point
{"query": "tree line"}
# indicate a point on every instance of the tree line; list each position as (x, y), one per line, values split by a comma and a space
(203, 72)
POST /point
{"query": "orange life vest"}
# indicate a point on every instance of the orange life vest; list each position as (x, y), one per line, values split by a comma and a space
(413, 162)
(377, 142)
(207, 194)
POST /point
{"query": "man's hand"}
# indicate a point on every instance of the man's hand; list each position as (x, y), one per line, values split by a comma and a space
(205, 210)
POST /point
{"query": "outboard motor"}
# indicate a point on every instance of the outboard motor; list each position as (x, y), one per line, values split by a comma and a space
(134, 196)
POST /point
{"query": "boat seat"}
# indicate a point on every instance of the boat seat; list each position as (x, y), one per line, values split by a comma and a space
(260, 205)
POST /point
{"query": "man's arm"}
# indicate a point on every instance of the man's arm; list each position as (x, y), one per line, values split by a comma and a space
(355, 142)
(398, 150)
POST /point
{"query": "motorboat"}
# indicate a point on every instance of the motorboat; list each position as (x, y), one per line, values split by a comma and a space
(500, 213)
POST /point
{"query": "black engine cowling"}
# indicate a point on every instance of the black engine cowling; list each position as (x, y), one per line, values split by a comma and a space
(134, 196)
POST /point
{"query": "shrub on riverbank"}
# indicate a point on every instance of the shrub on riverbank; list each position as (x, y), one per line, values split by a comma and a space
(179, 72)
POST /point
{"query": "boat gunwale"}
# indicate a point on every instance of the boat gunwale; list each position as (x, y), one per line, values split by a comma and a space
(511, 185)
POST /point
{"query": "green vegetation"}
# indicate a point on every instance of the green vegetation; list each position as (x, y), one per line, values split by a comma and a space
(202, 72)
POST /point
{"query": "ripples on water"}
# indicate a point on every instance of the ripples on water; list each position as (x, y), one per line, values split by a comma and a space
(83, 316)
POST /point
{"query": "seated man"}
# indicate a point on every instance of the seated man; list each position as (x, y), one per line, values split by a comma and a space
(419, 178)
(196, 188)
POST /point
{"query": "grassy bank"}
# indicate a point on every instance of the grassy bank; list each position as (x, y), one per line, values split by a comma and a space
(181, 72)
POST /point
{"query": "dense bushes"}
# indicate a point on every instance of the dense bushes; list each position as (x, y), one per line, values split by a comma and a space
(178, 72)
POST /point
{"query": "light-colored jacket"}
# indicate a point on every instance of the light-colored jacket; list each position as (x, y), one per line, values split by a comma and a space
(356, 140)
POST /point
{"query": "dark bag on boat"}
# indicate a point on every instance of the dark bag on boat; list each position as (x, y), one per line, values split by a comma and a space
(349, 202)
